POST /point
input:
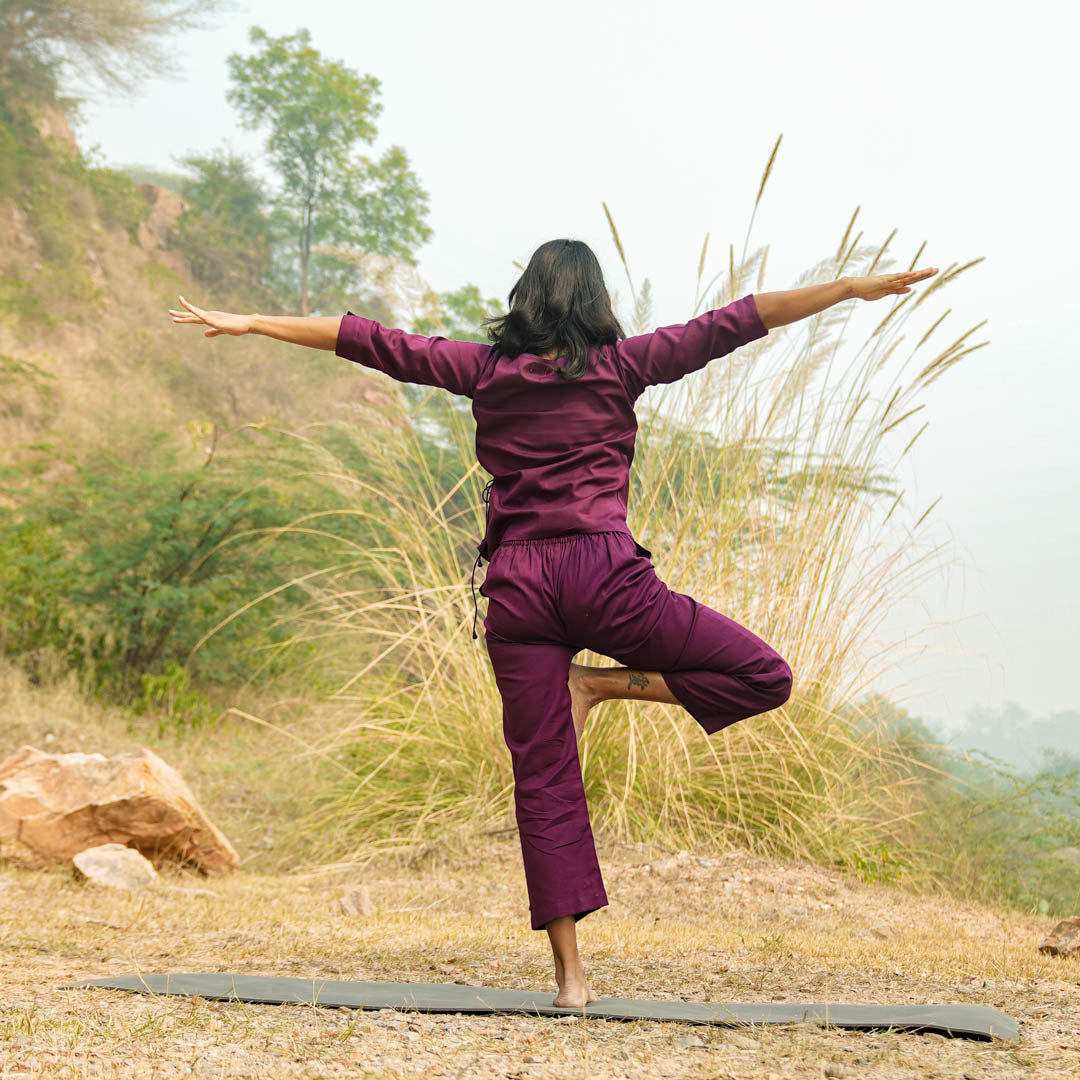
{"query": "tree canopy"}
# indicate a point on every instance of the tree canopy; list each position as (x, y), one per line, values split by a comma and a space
(110, 44)
(317, 112)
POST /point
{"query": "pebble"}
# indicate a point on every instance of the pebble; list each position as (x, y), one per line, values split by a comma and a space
(688, 1042)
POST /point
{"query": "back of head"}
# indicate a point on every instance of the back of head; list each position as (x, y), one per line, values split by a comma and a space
(559, 302)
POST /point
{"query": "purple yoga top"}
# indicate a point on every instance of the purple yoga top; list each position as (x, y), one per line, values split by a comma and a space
(559, 451)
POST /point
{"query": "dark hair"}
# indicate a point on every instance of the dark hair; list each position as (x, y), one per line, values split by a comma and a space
(559, 301)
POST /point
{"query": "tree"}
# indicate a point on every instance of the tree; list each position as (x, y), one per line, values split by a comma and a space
(224, 232)
(112, 42)
(317, 111)
(459, 315)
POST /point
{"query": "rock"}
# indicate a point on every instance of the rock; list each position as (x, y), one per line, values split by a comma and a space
(51, 123)
(1064, 939)
(116, 866)
(15, 228)
(357, 902)
(688, 1042)
(60, 804)
(165, 208)
(840, 1072)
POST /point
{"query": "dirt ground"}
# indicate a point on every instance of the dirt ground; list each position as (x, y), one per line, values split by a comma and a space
(732, 928)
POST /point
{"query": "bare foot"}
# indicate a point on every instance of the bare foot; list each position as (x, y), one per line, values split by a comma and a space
(574, 991)
(581, 697)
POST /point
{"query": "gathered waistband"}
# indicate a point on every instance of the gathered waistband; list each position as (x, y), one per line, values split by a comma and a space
(543, 541)
(564, 538)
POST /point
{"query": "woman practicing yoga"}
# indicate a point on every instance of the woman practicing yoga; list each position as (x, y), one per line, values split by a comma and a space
(553, 398)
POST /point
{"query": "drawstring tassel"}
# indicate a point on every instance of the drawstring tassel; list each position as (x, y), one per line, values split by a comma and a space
(473, 582)
(482, 548)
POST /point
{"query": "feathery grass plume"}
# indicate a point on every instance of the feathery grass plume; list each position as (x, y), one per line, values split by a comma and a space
(761, 484)
(619, 248)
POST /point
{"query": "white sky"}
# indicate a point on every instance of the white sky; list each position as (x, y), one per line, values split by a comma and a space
(947, 120)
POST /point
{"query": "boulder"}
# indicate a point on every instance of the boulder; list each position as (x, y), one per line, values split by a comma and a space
(1064, 939)
(57, 805)
(116, 867)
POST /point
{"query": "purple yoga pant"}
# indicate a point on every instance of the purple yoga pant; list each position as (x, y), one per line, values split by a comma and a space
(548, 599)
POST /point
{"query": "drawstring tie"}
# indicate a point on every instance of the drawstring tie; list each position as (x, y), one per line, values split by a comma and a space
(482, 549)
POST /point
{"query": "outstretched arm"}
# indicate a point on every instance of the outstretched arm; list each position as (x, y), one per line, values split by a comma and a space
(429, 361)
(317, 332)
(780, 308)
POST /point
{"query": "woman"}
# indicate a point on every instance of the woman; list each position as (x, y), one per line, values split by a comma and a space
(553, 398)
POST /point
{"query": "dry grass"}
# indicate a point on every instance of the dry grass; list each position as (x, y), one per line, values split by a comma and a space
(735, 928)
(730, 926)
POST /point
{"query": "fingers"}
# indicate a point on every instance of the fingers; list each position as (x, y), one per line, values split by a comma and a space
(914, 275)
(197, 314)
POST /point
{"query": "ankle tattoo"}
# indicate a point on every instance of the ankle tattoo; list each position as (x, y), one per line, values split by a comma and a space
(638, 679)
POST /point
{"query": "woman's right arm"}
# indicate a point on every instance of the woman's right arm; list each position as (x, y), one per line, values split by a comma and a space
(430, 361)
(316, 332)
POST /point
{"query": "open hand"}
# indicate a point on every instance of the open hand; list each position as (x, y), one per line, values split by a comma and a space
(219, 322)
(878, 285)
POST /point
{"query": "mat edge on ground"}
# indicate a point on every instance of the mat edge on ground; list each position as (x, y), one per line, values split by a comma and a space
(970, 1021)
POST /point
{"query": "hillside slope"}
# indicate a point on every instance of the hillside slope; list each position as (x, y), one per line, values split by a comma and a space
(88, 354)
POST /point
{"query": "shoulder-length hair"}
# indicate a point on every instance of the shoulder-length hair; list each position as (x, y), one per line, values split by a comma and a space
(560, 301)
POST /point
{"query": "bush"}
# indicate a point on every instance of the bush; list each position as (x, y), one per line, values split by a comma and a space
(124, 570)
(120, 203)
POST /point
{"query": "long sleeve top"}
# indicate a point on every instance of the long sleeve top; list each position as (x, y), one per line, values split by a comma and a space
(558, 451)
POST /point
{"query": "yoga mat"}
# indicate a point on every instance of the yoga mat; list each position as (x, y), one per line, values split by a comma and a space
(971, 1021)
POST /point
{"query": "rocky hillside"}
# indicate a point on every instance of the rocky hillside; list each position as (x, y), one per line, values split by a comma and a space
(88, 353)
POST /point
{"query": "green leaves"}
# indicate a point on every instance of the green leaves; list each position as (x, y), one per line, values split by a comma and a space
(317, 112)
(122, 570)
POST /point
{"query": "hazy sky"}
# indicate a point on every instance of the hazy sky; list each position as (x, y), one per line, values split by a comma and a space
(948, 121)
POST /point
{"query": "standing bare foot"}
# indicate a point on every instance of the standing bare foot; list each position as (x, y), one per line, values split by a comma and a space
(574, 991)
(582, 699)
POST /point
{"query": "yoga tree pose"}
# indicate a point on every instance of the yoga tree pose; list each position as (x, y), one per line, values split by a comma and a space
(553, 397)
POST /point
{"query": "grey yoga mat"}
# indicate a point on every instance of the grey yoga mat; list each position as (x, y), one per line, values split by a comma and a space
(972, 1021)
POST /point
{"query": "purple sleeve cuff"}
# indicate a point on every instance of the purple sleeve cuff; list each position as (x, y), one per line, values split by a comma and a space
(755, 328)
(670, 352)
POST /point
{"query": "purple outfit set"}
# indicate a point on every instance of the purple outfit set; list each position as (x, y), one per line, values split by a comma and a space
(564, 572)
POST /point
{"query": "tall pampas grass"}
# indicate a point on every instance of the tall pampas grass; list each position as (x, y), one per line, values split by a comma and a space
(765, 487)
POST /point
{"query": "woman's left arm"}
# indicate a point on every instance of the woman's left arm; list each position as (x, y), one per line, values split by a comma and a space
(790, 305)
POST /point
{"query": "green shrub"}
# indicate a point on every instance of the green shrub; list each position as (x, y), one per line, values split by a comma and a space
(119, 202)
(171, 699)
(124, 570)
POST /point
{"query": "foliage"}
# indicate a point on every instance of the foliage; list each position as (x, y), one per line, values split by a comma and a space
(458, 315)
(43, 179)
(993, 835)
(317, 111)
(120, 204)
(127, 566)
(113, 43)
(224, 233)
(170, 698)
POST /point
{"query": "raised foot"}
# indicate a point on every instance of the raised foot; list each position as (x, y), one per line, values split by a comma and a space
(582, 698)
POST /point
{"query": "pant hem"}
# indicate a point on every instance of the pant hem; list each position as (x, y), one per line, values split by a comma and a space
(578, 908)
